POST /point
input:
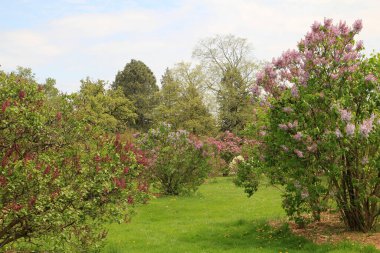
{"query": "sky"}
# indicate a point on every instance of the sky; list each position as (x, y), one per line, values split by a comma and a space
(69, 40)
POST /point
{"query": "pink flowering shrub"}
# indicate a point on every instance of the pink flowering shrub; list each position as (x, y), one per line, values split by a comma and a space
(323, 132)
(179, 161)
(59, 176)
(225, 147)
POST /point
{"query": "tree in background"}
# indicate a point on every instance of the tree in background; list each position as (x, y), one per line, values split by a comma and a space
(235, 108)
(194, 115)
(107, 108)
(228, 67)
(139, 85)
(169, 98)
(181, 102)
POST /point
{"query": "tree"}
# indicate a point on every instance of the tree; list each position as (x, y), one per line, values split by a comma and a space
(61, 178)
(228, 67)
(181, 102)
(194, 115)
(169, 98)
(324, 126)
(221, 53)
(235, 108)
(139, 85)
(107, 108)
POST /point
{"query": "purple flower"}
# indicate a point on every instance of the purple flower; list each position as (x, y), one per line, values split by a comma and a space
(338, 133)
(359, 45)
(262, 133)
(348, 47)
(198, 145)
(350, 129)
(315, 26)
(370, 78)
(366, 126)
(352, 68)
(283, 126)
(297, 136)
(287, 109)
(343, 28)
(327, 22)
(294, 91)
(334, 76)
(260, 77)
(298, 153)
(357, 26)
(279, 62)
(255, 90)
(345, 115)
(285, 148)
(293, 125)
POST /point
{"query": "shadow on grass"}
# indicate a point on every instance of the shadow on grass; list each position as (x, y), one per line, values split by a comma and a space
(259, 236)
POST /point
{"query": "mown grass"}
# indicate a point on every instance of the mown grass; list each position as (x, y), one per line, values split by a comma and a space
(218, 218)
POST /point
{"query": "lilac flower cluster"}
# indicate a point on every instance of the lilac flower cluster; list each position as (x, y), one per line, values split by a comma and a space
(367, 126)
(294, 66)
(338, 133)
(255, 91)
(345, 115)
(287, 109)
(289, 125)
(298, 153)
(294, 91)
(350, 129)
(297, 136)
(228, 142)
(285, 148)
(370, 78)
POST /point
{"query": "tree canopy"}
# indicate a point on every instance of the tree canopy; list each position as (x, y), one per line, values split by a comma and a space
(139, 85)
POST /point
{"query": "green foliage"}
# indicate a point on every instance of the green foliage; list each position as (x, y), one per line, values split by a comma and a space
(109, 109)
(194, 116)
(179, 164)
(235, 108)
(248, 175)
(169, 99)
(181, 103)
(61, 178)
(139, 86)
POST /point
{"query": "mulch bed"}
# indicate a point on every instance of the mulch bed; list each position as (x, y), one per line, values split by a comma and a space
(332, 230)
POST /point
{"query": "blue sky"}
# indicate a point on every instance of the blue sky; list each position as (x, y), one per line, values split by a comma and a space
(71, 39)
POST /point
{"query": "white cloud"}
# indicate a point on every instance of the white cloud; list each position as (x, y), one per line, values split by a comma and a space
(25, 47)
(99, 25)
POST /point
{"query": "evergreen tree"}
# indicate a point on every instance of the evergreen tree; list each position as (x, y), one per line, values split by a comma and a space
(168, 100)
(194, 115)
(235, 109)
(139, 85)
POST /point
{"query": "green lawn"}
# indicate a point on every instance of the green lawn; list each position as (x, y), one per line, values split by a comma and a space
(218, 218)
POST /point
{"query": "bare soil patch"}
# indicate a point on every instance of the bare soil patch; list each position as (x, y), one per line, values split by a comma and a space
(331, 230)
